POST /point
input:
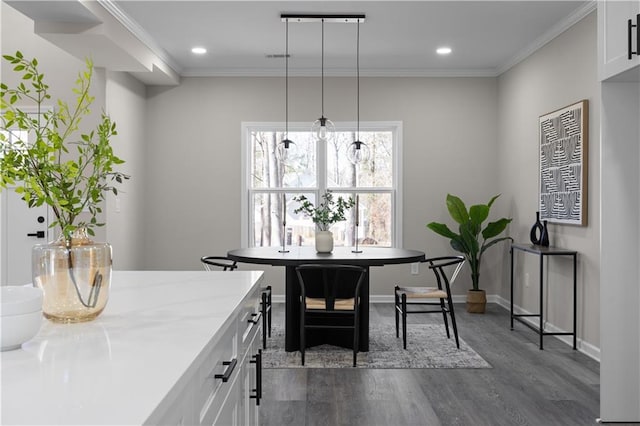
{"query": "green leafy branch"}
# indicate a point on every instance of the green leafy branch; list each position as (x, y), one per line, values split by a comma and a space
(327, 212)
(70, 175)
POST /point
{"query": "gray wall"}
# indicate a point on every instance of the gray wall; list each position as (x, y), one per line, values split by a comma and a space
(193, 154)
(126, 103)
(562, 72)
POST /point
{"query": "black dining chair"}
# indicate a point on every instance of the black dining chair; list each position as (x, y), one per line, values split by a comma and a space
(330, 299)
(212, 263)
(438, 295)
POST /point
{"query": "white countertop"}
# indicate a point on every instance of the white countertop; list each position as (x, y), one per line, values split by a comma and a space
(118, 368)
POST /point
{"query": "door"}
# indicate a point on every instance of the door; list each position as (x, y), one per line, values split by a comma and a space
(21, 227)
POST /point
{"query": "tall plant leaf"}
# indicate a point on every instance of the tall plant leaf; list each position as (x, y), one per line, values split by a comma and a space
(495, 228)
(457, 209)
(479, 213)
(441, 229)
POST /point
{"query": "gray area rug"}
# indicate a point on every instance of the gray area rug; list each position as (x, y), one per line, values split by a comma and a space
(427, 347)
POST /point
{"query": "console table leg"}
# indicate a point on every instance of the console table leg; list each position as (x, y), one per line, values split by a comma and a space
(541, 301)
(575, 301)
(511, 251)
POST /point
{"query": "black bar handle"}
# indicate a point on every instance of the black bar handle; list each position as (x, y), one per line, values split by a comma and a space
(257, 360)
(255, 318)
(37, 234)
(629, 50)
(630, 26)
(231, 365)
(638, 34)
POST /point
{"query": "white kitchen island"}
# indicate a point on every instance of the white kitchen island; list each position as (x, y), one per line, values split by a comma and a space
(151, 357)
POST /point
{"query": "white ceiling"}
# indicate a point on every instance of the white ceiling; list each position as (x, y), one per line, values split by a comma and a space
(397, 38)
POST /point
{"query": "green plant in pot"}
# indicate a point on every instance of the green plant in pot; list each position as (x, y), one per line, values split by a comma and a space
(325, 214)
(472, 240)
(45, 159)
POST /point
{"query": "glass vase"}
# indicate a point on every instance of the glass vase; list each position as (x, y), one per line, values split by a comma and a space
(74, 280)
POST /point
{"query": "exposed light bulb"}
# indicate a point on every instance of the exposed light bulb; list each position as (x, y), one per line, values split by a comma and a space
(323, 129)
(358, 152)
(284, 150)
(322, 133)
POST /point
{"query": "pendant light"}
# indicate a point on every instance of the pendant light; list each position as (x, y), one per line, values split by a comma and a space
(286, 146)
(323, 129)
(358, 151)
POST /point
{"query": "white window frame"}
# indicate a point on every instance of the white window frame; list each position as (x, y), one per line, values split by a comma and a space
(396, 190)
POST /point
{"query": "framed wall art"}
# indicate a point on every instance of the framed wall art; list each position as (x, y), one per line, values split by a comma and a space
(564, 144)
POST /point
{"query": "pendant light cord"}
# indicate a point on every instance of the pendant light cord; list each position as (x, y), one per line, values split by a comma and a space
(358, 79)
(286, 79)
(322, 67)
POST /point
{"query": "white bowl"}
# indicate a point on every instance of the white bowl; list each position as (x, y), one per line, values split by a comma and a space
(20, 315)
(20, 299)
(17, 329)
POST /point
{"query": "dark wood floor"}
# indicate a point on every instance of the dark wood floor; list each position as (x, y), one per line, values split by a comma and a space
(526, 386)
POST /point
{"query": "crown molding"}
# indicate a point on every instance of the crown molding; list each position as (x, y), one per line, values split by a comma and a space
(144, 37)
(377, 72)
(552, 33)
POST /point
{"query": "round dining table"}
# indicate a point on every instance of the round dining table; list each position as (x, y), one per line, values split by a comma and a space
(298, 255)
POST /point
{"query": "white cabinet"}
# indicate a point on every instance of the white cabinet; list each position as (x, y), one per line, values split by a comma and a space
(226, 382)
(620, 209)
(252, 376)
(619, 253)
(618, 22)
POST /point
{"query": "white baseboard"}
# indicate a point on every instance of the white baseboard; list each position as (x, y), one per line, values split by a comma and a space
(586, 348)
(457, 298)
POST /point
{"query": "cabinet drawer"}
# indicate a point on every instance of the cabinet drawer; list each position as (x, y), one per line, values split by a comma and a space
(229, 414)
(216, 375)
(249, 320)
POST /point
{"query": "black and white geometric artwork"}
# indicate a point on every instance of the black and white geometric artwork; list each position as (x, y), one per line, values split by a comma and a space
(563, 164)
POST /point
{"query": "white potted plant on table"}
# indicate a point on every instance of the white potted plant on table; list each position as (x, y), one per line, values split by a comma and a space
(328, 212)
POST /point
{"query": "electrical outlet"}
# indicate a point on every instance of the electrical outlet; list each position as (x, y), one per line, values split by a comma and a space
(415, 268)
(526, 279)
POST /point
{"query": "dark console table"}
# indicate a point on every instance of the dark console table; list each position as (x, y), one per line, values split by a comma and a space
(541, 252)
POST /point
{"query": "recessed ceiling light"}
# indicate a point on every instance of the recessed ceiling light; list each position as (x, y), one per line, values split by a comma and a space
(199, 50)
(443, 50)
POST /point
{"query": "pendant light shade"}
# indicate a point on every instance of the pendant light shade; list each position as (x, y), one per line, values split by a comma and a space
(323, 129)
(358, 151)
(285, 149)
(286, 146)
